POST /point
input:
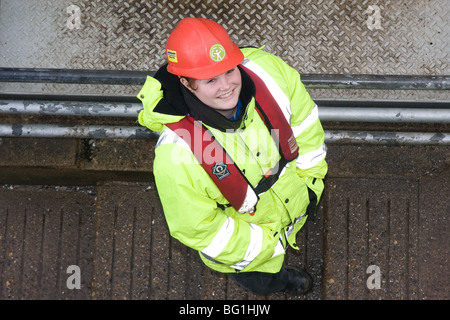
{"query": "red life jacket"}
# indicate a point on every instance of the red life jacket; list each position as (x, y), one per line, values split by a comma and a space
(218, 164)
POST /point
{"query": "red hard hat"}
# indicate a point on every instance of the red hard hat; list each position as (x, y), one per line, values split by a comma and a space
(201, 49)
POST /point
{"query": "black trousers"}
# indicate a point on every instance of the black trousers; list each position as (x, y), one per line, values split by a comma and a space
(265, 283)
(261, 282)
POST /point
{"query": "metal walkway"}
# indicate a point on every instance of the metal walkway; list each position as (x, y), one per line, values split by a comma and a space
(384, 206)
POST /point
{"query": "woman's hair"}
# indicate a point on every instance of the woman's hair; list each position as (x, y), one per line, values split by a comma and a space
(191, 82)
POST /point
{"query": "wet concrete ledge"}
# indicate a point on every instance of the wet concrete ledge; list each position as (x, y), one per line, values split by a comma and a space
(93, 204)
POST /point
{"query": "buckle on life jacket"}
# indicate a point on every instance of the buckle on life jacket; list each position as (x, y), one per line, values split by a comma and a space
(269, 179)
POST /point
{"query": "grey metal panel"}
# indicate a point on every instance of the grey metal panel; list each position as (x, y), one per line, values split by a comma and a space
(359, 36)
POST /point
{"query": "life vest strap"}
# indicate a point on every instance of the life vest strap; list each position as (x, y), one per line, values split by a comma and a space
(270, 112)
(221, 168)
(216, 162)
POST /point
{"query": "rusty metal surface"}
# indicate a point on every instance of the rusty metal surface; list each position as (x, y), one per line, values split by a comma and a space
(376, 223)
(385, 210)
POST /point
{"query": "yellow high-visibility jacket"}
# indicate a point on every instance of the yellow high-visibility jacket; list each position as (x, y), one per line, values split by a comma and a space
(197, 213)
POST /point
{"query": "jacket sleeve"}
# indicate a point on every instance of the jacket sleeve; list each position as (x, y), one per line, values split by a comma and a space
(311, 164)
(189, 199)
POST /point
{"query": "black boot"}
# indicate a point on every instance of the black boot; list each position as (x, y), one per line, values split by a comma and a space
(299, 281)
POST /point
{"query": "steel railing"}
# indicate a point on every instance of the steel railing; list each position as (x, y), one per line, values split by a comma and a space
(129, 107)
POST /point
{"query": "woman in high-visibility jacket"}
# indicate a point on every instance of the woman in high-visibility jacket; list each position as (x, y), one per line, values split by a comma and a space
(206, 79)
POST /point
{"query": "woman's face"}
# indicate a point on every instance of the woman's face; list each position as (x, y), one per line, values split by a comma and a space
(220, 93)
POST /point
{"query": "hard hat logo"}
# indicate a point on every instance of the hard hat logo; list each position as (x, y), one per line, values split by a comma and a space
(172, 56)
(217, 52)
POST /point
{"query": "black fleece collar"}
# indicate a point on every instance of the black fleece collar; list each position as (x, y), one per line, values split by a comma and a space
(173, 102)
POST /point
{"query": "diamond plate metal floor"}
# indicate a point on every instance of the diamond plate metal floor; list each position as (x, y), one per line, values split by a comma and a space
(328, 37)
(373, 37)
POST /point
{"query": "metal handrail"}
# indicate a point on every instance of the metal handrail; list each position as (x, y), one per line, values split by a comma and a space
(135, 132)
(131, 110)
(369, 111)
